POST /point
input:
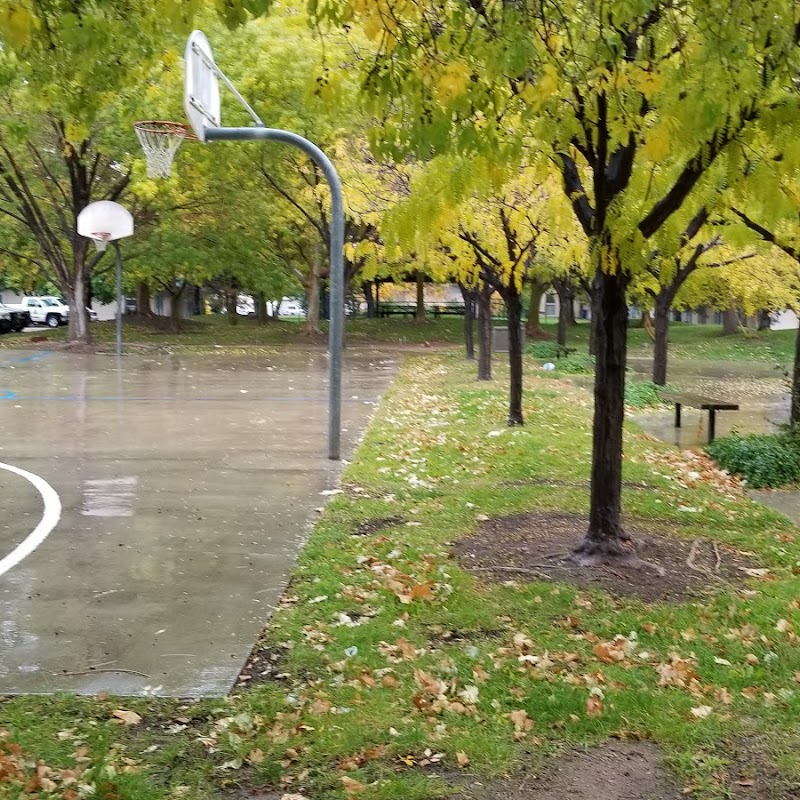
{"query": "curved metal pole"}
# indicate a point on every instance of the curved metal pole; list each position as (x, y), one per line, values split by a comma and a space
(119, 298)
(336, 332)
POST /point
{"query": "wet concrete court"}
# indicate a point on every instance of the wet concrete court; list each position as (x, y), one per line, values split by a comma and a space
(188, 484)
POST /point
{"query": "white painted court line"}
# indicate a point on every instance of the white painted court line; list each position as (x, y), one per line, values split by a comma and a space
(50, 518)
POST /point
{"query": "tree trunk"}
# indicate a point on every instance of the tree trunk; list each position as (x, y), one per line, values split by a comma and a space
(485, 333)
(564, 306)
(661, 325)
(175, 308)
(571, 321)
(78, 324)
(730, 322)
(143, 299)
(533, 327)
(89, 294)
(794, 416)
(313, 288)
(369, 296)
(468, 295)
(419, 315)
(606, 536)
(230, 306)
(260, 302)
(764, 320)
(514, 314)
(593, 332)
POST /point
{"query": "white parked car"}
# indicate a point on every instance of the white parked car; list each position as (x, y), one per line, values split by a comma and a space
(48, 311)
(291, 308)
(57, 301)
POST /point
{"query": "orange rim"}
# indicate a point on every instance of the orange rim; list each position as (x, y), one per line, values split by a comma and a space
(165, 128)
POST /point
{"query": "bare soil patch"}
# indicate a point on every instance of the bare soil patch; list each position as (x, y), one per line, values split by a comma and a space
(264, 665)
(370, 526)
(615, 771)
(535, 547)
(753, 776)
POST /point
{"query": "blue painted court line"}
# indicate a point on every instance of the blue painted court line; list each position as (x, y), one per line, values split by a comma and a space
(26, 359)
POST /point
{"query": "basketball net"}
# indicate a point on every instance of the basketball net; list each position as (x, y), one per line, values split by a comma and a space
(101, 241)
(160, 141)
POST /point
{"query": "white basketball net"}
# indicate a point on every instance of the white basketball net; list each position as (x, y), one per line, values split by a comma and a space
(101, 241)
(160, 141)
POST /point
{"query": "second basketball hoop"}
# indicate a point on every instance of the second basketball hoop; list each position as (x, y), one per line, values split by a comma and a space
(160, 141)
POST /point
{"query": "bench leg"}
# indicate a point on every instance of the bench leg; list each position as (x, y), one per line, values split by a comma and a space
(677, 415)
(712, 424)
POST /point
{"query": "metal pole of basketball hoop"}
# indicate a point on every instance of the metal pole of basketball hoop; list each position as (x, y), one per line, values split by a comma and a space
(202, 106)
(336, 331)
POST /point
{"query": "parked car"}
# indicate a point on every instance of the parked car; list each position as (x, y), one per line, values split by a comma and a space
(12, 320)
(58, 301)
(48, 311)
(291, 308)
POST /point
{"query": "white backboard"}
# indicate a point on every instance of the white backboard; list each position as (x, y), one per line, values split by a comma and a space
(105, 220)
(201, 100)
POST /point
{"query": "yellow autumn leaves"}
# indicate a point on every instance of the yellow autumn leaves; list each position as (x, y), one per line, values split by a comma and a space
(18, 23)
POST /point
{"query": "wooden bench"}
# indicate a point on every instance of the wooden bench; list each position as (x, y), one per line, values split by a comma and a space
(449, 309)
(703, 403)
(397, 309)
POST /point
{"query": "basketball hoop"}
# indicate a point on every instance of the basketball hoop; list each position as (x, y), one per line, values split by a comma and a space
(101, 240)
(160, 141)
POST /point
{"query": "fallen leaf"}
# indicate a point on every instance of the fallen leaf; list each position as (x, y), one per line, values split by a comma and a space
(428, 683)
(462, 758)
(701, 712)
(522, 722)
(352, 786)
(127, 717)
(422, 591)
(594, 705)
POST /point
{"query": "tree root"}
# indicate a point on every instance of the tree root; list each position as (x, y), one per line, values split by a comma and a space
(519, 570)
(620, 552)
(690, 560)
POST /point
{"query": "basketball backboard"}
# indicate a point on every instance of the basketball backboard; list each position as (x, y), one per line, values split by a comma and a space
(201, 99)
(105, 221)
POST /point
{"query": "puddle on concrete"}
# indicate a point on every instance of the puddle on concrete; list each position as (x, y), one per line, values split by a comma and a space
(757, 387)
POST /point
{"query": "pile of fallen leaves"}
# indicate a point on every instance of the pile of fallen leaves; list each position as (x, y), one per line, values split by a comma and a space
(693, 468)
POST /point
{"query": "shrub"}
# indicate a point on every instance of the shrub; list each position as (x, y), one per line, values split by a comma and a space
(546, 350)
(770, 460)
(575, 365)
(643, 394)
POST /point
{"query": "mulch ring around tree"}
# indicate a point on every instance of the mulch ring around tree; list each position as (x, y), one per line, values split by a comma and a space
(527, 547)
(616, 770)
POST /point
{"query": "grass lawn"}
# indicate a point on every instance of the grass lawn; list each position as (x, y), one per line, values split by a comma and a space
(215, 330)
(397, 668)
(687, 341)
